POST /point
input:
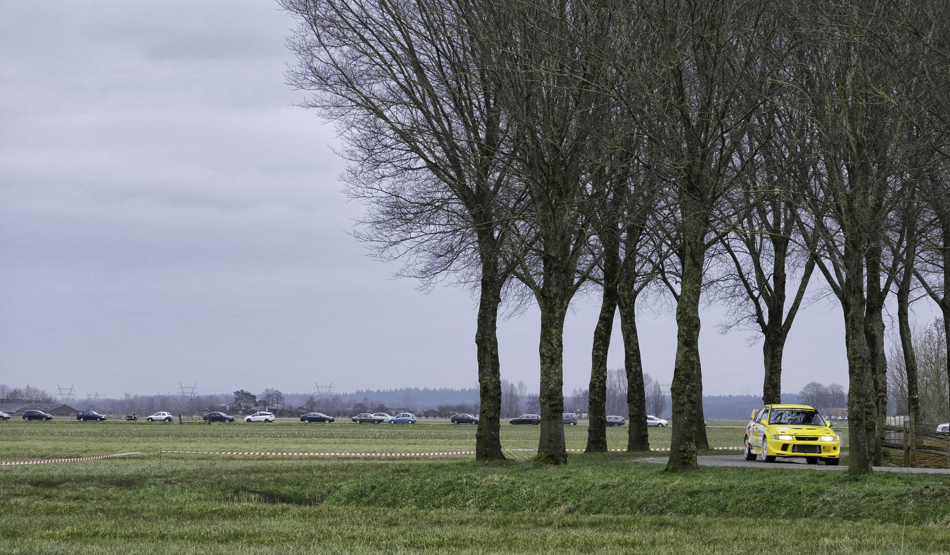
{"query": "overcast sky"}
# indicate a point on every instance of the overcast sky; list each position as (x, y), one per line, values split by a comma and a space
(168, 216)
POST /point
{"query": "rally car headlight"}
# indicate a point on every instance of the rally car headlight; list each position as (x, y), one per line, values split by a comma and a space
(783, 437)
(829, 438)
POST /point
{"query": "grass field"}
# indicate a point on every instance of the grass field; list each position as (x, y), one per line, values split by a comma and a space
(176, 503)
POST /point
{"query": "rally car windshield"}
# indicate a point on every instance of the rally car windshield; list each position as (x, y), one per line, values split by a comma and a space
(796, 417)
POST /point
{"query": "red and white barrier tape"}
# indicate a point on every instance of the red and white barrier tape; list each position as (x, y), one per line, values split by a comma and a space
(438, 454)
(279, 454)
(446, 453)
(18, 463)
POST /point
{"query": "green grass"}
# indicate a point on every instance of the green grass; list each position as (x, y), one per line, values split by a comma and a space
(65, 438)
(597, 503)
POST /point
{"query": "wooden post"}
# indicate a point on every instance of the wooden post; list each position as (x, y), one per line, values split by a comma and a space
(911, 440)
(906, 441)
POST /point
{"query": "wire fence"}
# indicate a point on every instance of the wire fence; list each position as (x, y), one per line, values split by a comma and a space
(920, 445)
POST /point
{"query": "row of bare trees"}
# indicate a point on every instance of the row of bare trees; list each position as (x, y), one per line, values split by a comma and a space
(823, 397)
(658, 150)
(930, 404)
(25, 393)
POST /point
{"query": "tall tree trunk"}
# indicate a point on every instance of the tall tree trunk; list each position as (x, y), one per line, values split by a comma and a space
(551, 446)
(903, 325)
(638, 434)
(702, 440)
(946, 331)
(488, 436)
(859, 359)
(773, 349)
(597, 390)
(683, 390)
(553, 298)
(945, 301)
(874, 326)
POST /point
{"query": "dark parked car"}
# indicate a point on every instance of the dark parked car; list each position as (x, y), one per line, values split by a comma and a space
(464, 418)
(90, 415)
(570, 418)
(366, 418)
(36, 415)
(526, 419)
(616, 421)
(316, 417)
(218, 417)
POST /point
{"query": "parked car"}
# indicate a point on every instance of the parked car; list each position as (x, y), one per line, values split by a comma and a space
(526, 419)
(36, 415)
(366, 418)
(260, 416)
(90, 415)
(160, 416)
(383, 416)
(4, 416)
(403, 418)
(791, 431)
(616, 421)
(657, 422)
(216, 416)
(569, 418)
(316, 417)
(944, 428)
(464, 418)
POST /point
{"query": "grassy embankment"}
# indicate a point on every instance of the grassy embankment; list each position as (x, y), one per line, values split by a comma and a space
(597, 503)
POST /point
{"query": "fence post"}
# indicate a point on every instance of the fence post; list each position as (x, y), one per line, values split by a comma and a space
(906, 441)
(911, 442)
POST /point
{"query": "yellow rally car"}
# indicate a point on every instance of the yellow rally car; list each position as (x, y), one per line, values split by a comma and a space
(791, 431)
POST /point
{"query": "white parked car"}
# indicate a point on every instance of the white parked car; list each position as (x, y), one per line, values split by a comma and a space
(4, 416)
(384, 417)
(260, 416)
(945, 428)
(160, 416)
(654, 421)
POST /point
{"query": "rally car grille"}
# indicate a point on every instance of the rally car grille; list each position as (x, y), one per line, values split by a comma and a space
(816, 449)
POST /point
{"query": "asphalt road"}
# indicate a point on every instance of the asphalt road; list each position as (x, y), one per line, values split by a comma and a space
(789, 464)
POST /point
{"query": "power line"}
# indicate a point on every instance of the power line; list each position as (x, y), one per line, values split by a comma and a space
(66, 395)
(322, 390)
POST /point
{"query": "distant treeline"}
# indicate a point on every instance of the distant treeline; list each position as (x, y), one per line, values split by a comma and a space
(717, 407)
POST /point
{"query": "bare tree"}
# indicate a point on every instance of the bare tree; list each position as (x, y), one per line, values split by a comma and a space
(931, 352)
(407, 86)
(274, 398)
(837, 397)
(548, 61)
(580, 400)
(655, 397)
(846, 85)
(511, 399)
(697, 68)
(764, 260)
(616, 391)
(927, 42)
(815, 395)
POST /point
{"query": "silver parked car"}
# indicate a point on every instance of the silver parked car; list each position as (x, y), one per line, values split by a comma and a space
(160, 416)
(657, 422)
